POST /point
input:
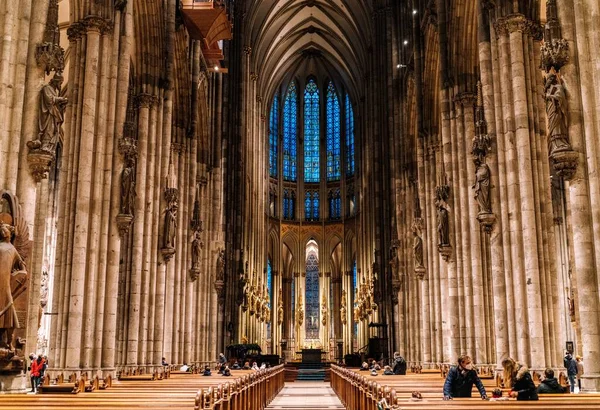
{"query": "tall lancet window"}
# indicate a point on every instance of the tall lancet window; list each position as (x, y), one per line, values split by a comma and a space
(270, 291)
(273, 137)
(290, 133)
(311, 132)
(349, 137)
(333, 135)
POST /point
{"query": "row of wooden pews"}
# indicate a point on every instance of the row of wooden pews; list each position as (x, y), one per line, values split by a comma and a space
(173, 390)
(360, 390)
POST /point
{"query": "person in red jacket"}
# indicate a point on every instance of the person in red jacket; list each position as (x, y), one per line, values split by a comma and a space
(36, 368)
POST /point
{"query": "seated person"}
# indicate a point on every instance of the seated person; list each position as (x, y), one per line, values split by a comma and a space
(372, 363)
(387, 371)
(550, 385)
(206, 371)
(254, 366)
(185, 368)
(365, 366)
(460, 380)
(416, 396)
(246, 366)
(373, 372)
(164, 362)
(226, 371)
(236, 366)
(399, 364)
(263, 366)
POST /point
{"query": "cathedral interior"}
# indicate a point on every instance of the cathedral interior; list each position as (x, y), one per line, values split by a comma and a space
(355, 177)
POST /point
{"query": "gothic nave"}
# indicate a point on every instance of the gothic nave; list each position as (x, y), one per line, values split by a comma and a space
(350, 176)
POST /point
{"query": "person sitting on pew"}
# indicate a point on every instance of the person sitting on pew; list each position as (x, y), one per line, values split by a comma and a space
(206, 371)
(246, 366)
(376, 366)
(387, 371)
(399, 364)
(373, 372)
(226, 371)
(164, 362)
(550, 385)
(364, 367)
(254, 366)
(518, 379)
(185, 368)
(236, 366)
(460, 380)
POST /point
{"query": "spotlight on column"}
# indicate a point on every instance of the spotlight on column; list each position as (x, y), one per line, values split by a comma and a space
(216, 68)
(414, 12)
(405, 42)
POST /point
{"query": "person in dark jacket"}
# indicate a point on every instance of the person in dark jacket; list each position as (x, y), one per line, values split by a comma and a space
(206, 371)
(571, 366)
(550, 385)
(518, 379)
(460, 380)
(399, 364)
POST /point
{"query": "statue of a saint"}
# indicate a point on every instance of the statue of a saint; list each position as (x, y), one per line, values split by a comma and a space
(324, 311)
(128, 187)
(482, 186)
(300, 311)
(11, 264)
(443, 223)
(417, 248)
(343, 307)
(221, 265)
(556, 110)
(171, 225)
(197, 246)
(52, 115)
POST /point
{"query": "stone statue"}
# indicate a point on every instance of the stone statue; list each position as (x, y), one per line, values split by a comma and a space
(482, 186)
(417, 248)
(300, 311)
(197, 246)
(11, 264)
(443, 222)
(556, 110)
(171, 224)
(221, 265)
(324, 311)
(343, 307)
(52, 116)
(128, 187)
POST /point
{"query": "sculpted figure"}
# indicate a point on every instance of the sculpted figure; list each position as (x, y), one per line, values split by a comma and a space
(52, 111)
(221, 265)
(556, 110)
(11, 264)
(417, 248)
(443, 226)
(128, 187)
(197, 246)
(482, 186)
(171, 225)
(300, 311)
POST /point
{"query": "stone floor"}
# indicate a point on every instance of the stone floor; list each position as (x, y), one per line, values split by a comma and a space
(305, 396)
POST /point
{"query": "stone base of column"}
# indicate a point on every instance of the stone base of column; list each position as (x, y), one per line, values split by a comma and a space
(590, 383)
(12, 384)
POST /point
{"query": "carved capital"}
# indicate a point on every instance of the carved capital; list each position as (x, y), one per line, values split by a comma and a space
(40, 163)
(247, 50)
(466, 99)
(565, 163)
(75, 31)
(123, 223)
(555, 54)
(50, 57)
(145, 100)
(97, 24)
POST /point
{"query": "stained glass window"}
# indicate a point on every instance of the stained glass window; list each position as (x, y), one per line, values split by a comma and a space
(312, 297)
(335, 205)
(290, 132)
(311, 132)
(349, 137)
(286, 204)
(354, 284)
(273, 137)
(315, 206)
(270, 290)
(333, 135)
(307, 206)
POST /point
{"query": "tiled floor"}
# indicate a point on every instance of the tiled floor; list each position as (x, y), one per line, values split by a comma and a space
(306, 395)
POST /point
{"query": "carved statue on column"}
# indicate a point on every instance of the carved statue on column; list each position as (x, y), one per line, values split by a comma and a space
(343, 307)
(221, 265)
(482, 186)
(14, 251)
(556, 109)
(324, 311)
(280, 309)
(197, 246)
(418, 248)
(443, 220)
(170, 227)
(300, 311)
(42, 149)
(128, 193)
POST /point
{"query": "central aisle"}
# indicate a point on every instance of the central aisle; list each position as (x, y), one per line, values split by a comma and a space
(306, 395)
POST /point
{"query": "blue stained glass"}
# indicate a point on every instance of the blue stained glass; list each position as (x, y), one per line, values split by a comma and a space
(312, 297)
(307, 205)
(354, 284)
(290, 132)
(338, 207)
(273, 137)
(311, 132)
(315, 206)
(335, 205)
(333, 135)
(286, 205)
(270, 290)
(349, 137)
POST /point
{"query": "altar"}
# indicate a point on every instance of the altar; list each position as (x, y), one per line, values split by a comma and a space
(311, 355)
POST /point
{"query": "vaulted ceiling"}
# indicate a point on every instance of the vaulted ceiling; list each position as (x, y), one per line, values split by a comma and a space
(303, 37)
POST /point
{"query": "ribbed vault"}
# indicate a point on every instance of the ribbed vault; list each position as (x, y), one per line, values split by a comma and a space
(309, 37)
